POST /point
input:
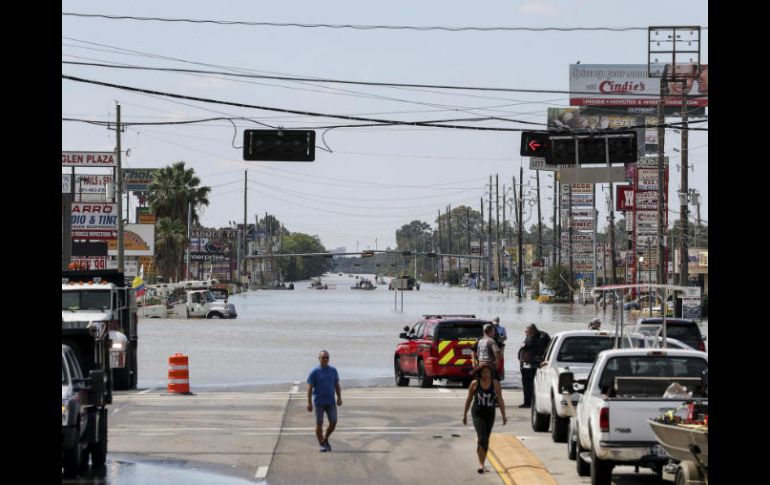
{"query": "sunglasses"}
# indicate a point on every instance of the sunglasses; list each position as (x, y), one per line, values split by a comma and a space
(324, 358)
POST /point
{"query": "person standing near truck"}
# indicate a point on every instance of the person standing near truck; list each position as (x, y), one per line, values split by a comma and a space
(531, 355)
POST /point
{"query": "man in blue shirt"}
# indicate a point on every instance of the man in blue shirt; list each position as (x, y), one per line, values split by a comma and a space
(323, 381)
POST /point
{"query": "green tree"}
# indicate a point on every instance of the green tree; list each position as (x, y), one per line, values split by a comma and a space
(170, 242)
(556, 279)
(172, 191)
(413, 236)
(303, 268)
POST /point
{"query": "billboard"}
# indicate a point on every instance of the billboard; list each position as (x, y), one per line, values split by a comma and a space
(624, 198)
(138, 240)
(628, 85)
(94, 220)
(88, 159)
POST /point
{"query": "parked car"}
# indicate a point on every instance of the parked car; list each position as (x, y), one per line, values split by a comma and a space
(686, 331)
(439, 347)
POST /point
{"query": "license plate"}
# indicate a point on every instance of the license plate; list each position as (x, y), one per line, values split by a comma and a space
(467, 352)
(658, 450)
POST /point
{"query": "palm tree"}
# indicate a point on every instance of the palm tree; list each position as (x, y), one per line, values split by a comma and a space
(173, 188)
(170, 241)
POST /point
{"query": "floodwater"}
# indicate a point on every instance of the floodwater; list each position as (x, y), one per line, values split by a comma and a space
(278, 334)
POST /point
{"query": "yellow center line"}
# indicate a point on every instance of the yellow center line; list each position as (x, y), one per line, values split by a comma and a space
(500, 469)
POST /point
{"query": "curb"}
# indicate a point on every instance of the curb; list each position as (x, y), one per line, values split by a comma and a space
(515, 463)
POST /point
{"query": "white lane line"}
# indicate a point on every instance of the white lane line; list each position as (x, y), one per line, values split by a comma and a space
(115, 411)
(147, 390)
(444, 390)
(261, 472)
(294, 388)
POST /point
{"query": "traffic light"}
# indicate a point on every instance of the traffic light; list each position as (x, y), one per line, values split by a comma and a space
(279, 145)
(534, 144)
(593, 148)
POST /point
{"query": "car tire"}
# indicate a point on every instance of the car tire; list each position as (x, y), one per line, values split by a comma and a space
(571, 442)
(121, 378)
(539, 420)
(467, 383)
(72, 457)
(215, 315)
(601, 470)
(424, 379)
(401, 381)
(583, 468)
(99, 449)
(559, 426)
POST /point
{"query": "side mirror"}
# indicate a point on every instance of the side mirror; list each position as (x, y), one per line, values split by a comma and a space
(97, 381)
(566, 381)
(705, 338)
(580, 385)
(403, 335)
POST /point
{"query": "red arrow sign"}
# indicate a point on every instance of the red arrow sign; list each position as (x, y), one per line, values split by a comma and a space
(534, 145)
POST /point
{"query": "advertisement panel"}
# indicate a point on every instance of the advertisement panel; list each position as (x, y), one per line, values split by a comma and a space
(624, 198)
(95, 262)
(627, 85)
(646, 222)
(576, 236)
(691, 308)
(88, 159)
(578, 199)
(582, 188)
(88, 188)
(138, 240)
(94, 220)
(647, 200)
(580, 212)
(583, 224)
(648, 179)
(138, 179)
(214, 233)
(651, 162)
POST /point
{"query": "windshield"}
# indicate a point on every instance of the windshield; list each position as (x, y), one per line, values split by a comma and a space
(64, 380)
(583, 349)
(687, 369)
(86, 300)
(460, 330)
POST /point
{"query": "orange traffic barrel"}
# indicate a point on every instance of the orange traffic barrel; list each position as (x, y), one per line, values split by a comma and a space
(178, 375)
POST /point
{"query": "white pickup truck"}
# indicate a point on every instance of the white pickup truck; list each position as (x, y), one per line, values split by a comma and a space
(571, 351)
(623, 390)
(203, 304)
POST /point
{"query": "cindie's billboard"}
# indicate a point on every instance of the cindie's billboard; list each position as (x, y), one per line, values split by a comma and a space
(628, 85)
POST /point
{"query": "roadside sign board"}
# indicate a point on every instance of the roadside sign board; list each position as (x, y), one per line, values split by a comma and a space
(88, 159)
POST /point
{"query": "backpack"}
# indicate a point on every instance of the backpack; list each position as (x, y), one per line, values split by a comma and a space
(545, 340)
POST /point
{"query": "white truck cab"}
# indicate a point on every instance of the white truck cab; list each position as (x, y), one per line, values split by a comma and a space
(203, 304)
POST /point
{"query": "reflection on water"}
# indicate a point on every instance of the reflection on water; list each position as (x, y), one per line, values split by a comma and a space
(277, 335)
(118, 471)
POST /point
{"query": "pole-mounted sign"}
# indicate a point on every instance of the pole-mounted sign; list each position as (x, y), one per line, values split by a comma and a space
(617, 146)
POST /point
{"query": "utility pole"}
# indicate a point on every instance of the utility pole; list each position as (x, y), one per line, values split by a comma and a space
(571, 245)
(612, 211)
(245, 198)
(502, 250)
(557, 188)
(119, 194)
(555, 209)
(683, 210)
(521, 242)
(449, 231)
(497, 234)
(468, 231)
(481, 245)
(489, 236)
(662, 270)
(539, 222)
(440, 255)
(189, 228)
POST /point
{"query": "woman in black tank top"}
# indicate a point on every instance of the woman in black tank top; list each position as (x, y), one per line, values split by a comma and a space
(485, 393)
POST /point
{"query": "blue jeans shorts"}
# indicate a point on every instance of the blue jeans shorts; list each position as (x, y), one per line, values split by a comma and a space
(331, 413)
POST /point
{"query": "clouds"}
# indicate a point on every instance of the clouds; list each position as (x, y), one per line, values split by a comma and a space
(536, 8)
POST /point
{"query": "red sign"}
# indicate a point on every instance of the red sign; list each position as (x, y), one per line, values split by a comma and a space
(624, 198)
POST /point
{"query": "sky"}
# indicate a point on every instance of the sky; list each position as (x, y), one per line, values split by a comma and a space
(365, 182)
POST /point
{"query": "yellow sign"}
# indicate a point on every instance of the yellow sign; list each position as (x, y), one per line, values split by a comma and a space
(131, 242)
(146, 218)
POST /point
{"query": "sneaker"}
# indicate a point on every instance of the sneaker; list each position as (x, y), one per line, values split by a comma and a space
(525, 406)
(327, 446)
(323, 448)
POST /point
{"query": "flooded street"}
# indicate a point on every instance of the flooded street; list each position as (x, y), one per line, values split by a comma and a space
(277, 335)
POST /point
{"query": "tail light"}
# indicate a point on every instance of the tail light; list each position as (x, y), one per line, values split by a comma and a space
(604, 420)
(701, 346)
(434, 349)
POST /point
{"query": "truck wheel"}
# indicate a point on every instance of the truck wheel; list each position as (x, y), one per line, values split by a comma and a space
(571, 442)
(601, 470)
(215, 315)
(71, 458)
(539, 420)
(687, 471)
(559, 426)
(120, 378)
(401, 381)
(99, 449)
(583, 468)
(424, 380)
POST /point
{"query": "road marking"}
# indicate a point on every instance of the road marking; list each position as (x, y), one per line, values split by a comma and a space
(444, 390)
(261, 472)
(295, 388)
(115, 411)
(147, 390)
(500, 469)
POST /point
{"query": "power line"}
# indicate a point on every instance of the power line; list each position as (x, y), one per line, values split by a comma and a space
(359, 26)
